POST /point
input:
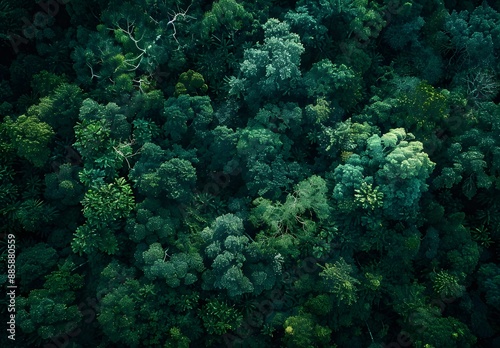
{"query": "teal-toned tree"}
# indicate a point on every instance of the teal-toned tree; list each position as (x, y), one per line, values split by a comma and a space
(225, 245)
(187, 116)
(336, 82)
(264, 155)
(312, 32)
(404, 171)
(474, 36)
(489, 281)
(64, 187)
(176, 270)
(173, 179)
(270, 69)
(153, 223)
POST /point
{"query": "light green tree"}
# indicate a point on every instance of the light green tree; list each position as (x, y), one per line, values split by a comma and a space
(338, 279)
(30, 137)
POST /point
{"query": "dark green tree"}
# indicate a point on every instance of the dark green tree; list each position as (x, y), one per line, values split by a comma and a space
(225, 244)
(34, 261)
(218, 317)
(51, 311)
(173, 179)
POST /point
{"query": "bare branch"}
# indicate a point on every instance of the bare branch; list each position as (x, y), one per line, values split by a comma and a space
(141, 82)
(129, 31)
(118, 150)
(92, 72)
(166, 254)
(174, 19)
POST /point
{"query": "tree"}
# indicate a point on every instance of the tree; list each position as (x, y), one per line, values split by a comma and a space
(400, 35)
(106, 203)
(419, 103)
(472, 157)
(489, 281)
(428, 327)
(338, 279)
(264, 153)
(295, 215)
(102, 205)
(457, 248)
(302, 331)
(343, 139)
(31, 137)
(50, 311)
(32, 213)
(225, 18)
(218, 317)
(334, 81)
(103, 137)
(10, 25)
(128, 306)
(143, 37)
(300, 224)
(222, 32)
(474, 36)
(64, 187)
(177, 339)
(312, 32)
(192, 83)
(34, 261)
(111, 114)
(404, 170)
(270, 69)
(349, 178)
(180, 268)
(221, 149)
(447, 285)
(59, 109)
(225, 243)
(187, 116)
(120, 314)
(173, 179)
(45, 83)
(280, 118)
(355, 24)
(152, 223)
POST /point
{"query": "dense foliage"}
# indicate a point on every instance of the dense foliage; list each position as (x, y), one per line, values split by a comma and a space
(304, 174)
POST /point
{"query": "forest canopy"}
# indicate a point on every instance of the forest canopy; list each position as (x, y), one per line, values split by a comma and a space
(186, 173)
